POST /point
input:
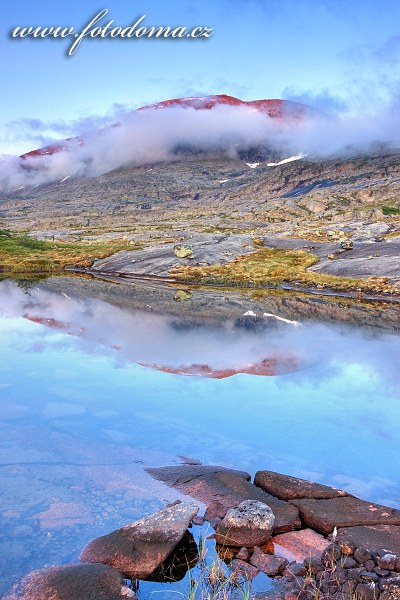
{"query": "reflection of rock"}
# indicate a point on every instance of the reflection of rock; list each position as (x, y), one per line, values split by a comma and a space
(249, 524)
(209, 484)
(174, 568)
(183, 251)
(181, 295)
(72, 582)
(138, 549)
(253, 322)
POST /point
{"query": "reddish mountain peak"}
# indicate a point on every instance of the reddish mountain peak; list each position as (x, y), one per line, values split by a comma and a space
(273, 108)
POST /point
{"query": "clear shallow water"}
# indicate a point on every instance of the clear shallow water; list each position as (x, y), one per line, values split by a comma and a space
(80, 418)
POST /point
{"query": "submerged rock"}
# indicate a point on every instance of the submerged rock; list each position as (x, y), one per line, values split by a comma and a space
(72, 582)
(250, 524)
(138, 549)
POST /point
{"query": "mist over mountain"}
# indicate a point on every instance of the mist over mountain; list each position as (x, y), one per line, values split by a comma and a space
(253, 131)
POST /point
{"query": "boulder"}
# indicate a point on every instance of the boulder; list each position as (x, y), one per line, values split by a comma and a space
(373, 537)
(183, 251)
(286, 487)
(249, 524)
(325, 515)
(228, 487)
(299, 545)
(72, 582)
(138, 549)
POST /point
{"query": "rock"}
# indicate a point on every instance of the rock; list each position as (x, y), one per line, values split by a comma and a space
(347, 245)
(215, 509)
(182, 295)
(268, 563)
(299, 545)
(249, 524)
(391, 587)
(286, 487)
(240, 567)
(369, 576)
(369, 565)
(138, 549)
(372, 538)
(228, 487)
(198, 521)
(365, 591)
(183, 251)
(325, 515)
(362, 555)
(314, 565)
(349, 563)
(243, 554)
(294, 570)
(387, 561)
(331, 554)
(72, 582)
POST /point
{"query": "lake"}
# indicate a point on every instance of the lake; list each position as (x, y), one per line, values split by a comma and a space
(93, 392)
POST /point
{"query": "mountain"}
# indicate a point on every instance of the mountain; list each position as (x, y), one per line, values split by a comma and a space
(282, 110)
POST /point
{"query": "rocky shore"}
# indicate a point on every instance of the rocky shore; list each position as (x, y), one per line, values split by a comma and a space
(311, 540)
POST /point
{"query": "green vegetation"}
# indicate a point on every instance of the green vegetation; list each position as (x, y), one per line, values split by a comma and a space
(22, 254)
(390, 210)
(267, 267)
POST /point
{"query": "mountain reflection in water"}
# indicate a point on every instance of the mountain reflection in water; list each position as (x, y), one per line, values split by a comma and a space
(81, 418)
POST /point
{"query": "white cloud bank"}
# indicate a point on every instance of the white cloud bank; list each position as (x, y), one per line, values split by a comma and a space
(153, 135)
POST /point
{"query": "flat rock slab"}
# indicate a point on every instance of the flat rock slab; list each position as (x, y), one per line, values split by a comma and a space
(72, 582)
(325, 515)
(300, 545)
(286, 487)
(160, 259)
(228, 487)
(373, 537)
(138, 549)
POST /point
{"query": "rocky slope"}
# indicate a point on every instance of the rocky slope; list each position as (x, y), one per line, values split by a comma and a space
(198, 191)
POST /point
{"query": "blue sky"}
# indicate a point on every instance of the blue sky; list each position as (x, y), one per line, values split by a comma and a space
(335, 54)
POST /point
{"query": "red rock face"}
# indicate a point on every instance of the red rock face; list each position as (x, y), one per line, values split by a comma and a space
(284, 110)
(276, 109)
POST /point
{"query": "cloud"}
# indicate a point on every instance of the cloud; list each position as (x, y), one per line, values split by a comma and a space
(324, 99)
(47, 132)
(153, 135)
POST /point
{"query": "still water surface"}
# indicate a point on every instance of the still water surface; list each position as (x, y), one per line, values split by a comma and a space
(81, 416)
